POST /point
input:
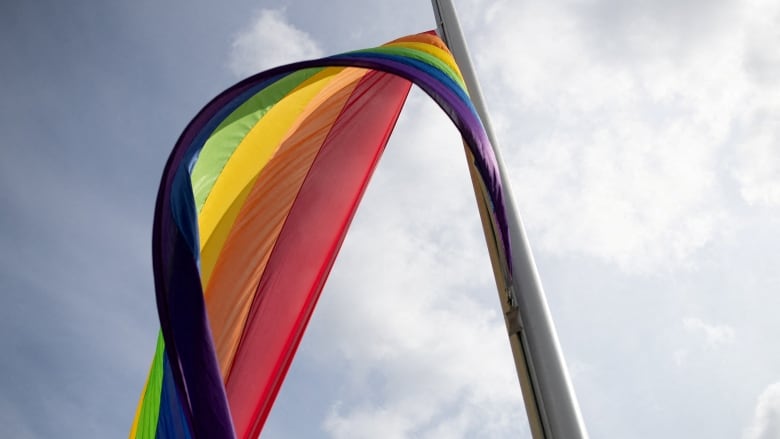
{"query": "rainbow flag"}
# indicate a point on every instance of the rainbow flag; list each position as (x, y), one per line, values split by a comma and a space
(254, 203)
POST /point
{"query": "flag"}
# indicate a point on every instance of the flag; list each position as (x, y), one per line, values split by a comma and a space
(254, 203)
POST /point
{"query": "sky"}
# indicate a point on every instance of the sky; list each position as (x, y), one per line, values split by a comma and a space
(643, 145)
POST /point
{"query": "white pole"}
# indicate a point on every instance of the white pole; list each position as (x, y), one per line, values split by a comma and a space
(549, 397)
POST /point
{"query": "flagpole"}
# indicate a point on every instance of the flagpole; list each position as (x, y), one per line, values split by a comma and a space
(551, 404)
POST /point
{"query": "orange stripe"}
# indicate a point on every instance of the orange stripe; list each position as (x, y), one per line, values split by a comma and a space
(246, 250)
(306, 248)
(433, 40)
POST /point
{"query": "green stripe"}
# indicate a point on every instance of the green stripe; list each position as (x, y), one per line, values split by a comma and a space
(225, 139)
(419, 55)
(150, 410)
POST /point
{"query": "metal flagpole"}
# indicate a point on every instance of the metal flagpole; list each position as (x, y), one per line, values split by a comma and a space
(549, 397)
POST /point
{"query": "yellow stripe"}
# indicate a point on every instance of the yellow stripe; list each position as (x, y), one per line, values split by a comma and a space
(252, 154)
(134, 428)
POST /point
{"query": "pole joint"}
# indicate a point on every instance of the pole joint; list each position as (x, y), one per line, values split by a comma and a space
(514, 323)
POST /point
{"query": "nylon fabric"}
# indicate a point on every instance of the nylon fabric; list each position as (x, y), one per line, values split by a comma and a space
(220, 146)
(429, 38)
(408, 52)
(247, 161)
(149, 406)
(172, 422)
(245, 253)
(253, 205)
(307, 246)
(437, 56)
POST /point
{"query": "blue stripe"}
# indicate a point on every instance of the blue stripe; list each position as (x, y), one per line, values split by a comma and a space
(171, 424)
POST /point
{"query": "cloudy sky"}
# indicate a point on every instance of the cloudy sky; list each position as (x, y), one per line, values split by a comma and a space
(643, 141)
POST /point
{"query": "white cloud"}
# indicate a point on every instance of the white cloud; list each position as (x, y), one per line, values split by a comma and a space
(758, 167)
(616, 153)
(680, 357)
(616, 136)
(762, 60)
(714, 335)
(757, 163)
(269, 41)
(766, 418)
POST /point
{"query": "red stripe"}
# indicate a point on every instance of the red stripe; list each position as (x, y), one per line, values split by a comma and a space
(307, 247)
